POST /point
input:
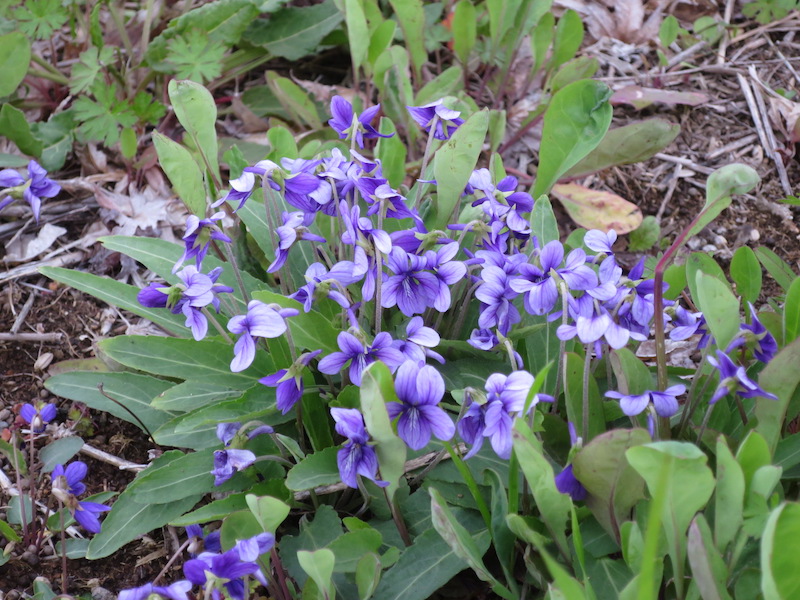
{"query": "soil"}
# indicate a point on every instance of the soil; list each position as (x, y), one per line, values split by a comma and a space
(756, 219)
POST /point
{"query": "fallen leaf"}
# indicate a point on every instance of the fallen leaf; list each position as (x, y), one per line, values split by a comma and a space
(640, 97)
(593, 209)
(27, 247)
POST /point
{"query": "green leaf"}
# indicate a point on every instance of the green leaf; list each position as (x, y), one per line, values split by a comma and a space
(117, 294)
(582, 67)
(719, 306)
(240, 525)
(568, 38)
(324, 529)
(352, 546)
(454, 163)
(213, 511)
(56, 135)
(746, 273)
(268, 511)
(446, 83)
(574, 124)
(132, 390)
(129, 519)
(689, 484)
(147, 109)
(613, 485)
(16, 128)
(668, 32)
(295, 32)
(392, 154)
(554, 506)
(728, 497)
(295, 100)
(781, 272)
(197, 112)
(314, 470)
(709, 571)
(791, 312)
(627, 144)
(196, 57)
(15, 56)
(464, 30)
(411, 15)
(357, 31)
(90, 64)
(102, 119)
(184, 359)
(543, 221)
(424, 567)
(731, 179)
(574, 397)
(377, 388)
(187, 475)
(192, 395)
(198, 438)
(319, 566)
(59, 452)
(645, 236)
(368, 575)
(780, 575)
(40, 18)
(183, 172)
(780, 377)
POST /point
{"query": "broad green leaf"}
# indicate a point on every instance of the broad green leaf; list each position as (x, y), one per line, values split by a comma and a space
(645, 236)
(709, 571)
(703, 262)
(197, 112)
(198, 438)
(59, 452)
(543, 221)
(689, 484)
(728, 497)
(454, 163)
(781, 376)
(614, 486)
(392, 154)
(446, 83)
(282, 143)
(719, 306)
(731, 179)
(582, 67)
(184, 359)
(15, 56)
(16, 128)
(791, 312)
(781, 272)
(213, 511)
(541, 38)
(780, 576)
(184, 174)
(594, 209)
(381, 39)
(554, 506)
(633, 376)
(368, 575)
(118, 294)
(746, 273)
(129, 519)
(411, 15)
(295, 32)
(628, 144)
(502, 537)
(191, 395)
(574, 124)
(314, 535)
(357, 31)
(240, 525)
(319, 566)
(424, 567)
(132, 390)
(502, 14)
(268, 511)
(464, 26)
(377, 388)
(315, 470)
(295, 100)
(352, 546)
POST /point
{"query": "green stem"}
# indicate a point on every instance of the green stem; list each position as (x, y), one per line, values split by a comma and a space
(54, 74)
(587, 362)
(425, 157)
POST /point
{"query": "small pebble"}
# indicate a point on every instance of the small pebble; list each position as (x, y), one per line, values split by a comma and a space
(720, 240)
(101, 593)
(5, 414)
(44, 393)
(694, 243)
(31, 558)
(710, 248)
(754, 235)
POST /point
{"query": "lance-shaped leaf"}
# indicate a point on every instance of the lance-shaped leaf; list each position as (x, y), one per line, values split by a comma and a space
(780, 576)
(781, 377)
(594, 209)
(708, 569)
(184, 174)
(195, 108)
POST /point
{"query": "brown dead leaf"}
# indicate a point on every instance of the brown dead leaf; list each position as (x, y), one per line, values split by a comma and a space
(594, 209)
(23, 248)
(142, 211)
(619, 19)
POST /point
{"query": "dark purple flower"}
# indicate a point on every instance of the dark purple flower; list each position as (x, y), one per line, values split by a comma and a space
(202, 543)
(447, 120)
(755, 336)
(356, 457)
(483, 339)
(323, 283)
(38, 416)
(292, 230)
(502, 203)
(567, 483)
(496, 293)
(199, 235)
(227, 462)
(419, 391)
(472, 425)
(348, 126)
(733, 379)
(289, 382)
(359, 354)
(412, 288)
(261, 320)
(297, 187)
(665, 403)
(379, 195)
(242, 187)
(67, 484)
(32, 189)
(685, 323)
(175, 591)
(228, 568)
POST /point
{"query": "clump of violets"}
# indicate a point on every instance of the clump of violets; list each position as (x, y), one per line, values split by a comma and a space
(356, 457)
(32, 188)
(67, 485)
(38, 416)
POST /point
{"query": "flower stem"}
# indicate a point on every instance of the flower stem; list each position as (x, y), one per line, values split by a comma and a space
(587, 363)
(63, 549)
(397, 517)
(425, 158)
(466, 474)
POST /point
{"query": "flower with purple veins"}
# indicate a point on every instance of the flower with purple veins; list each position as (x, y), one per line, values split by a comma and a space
(175, 591)
(380, 196)
(67, 484)
(412, 288)
(360, 355)
(261, 320)
(296, 186)
(757, 336)
(733, 379)
(419, 390)
(229, 461)
(502, 201)
(600, 241)
(356, 457)
(324, 283)
(293, 230)
(665, 403)
(497, 295)
(447, 272)
(472, 425)
(32, 189)
(447, 120)
(38, 416)
(289, 382)
(228, 569)
(419, 341)
(351, 126)
(505, 399)
(199, 235)
(483, 339)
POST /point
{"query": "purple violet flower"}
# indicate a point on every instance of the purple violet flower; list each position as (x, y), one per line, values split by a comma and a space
(665, 403)
(359, 354)
(261, 320)
(567, 483)
(227, 462)
(412, 288)
(296, 187)
(32, 189)
(202, 543)
(368, 241)
(733, 378)
(199, 235)
(505, 399)
(348, 125)
(175, 591)
(496, 294)
(420, 390)
(229, 568)
(67, 484)
(447, 120)
(293, 230)
(447, 272)
(289, 382)
(323, 283)
(419, 341)
(38, 416)
(379, 195)
(356, 457)
(755, 336)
